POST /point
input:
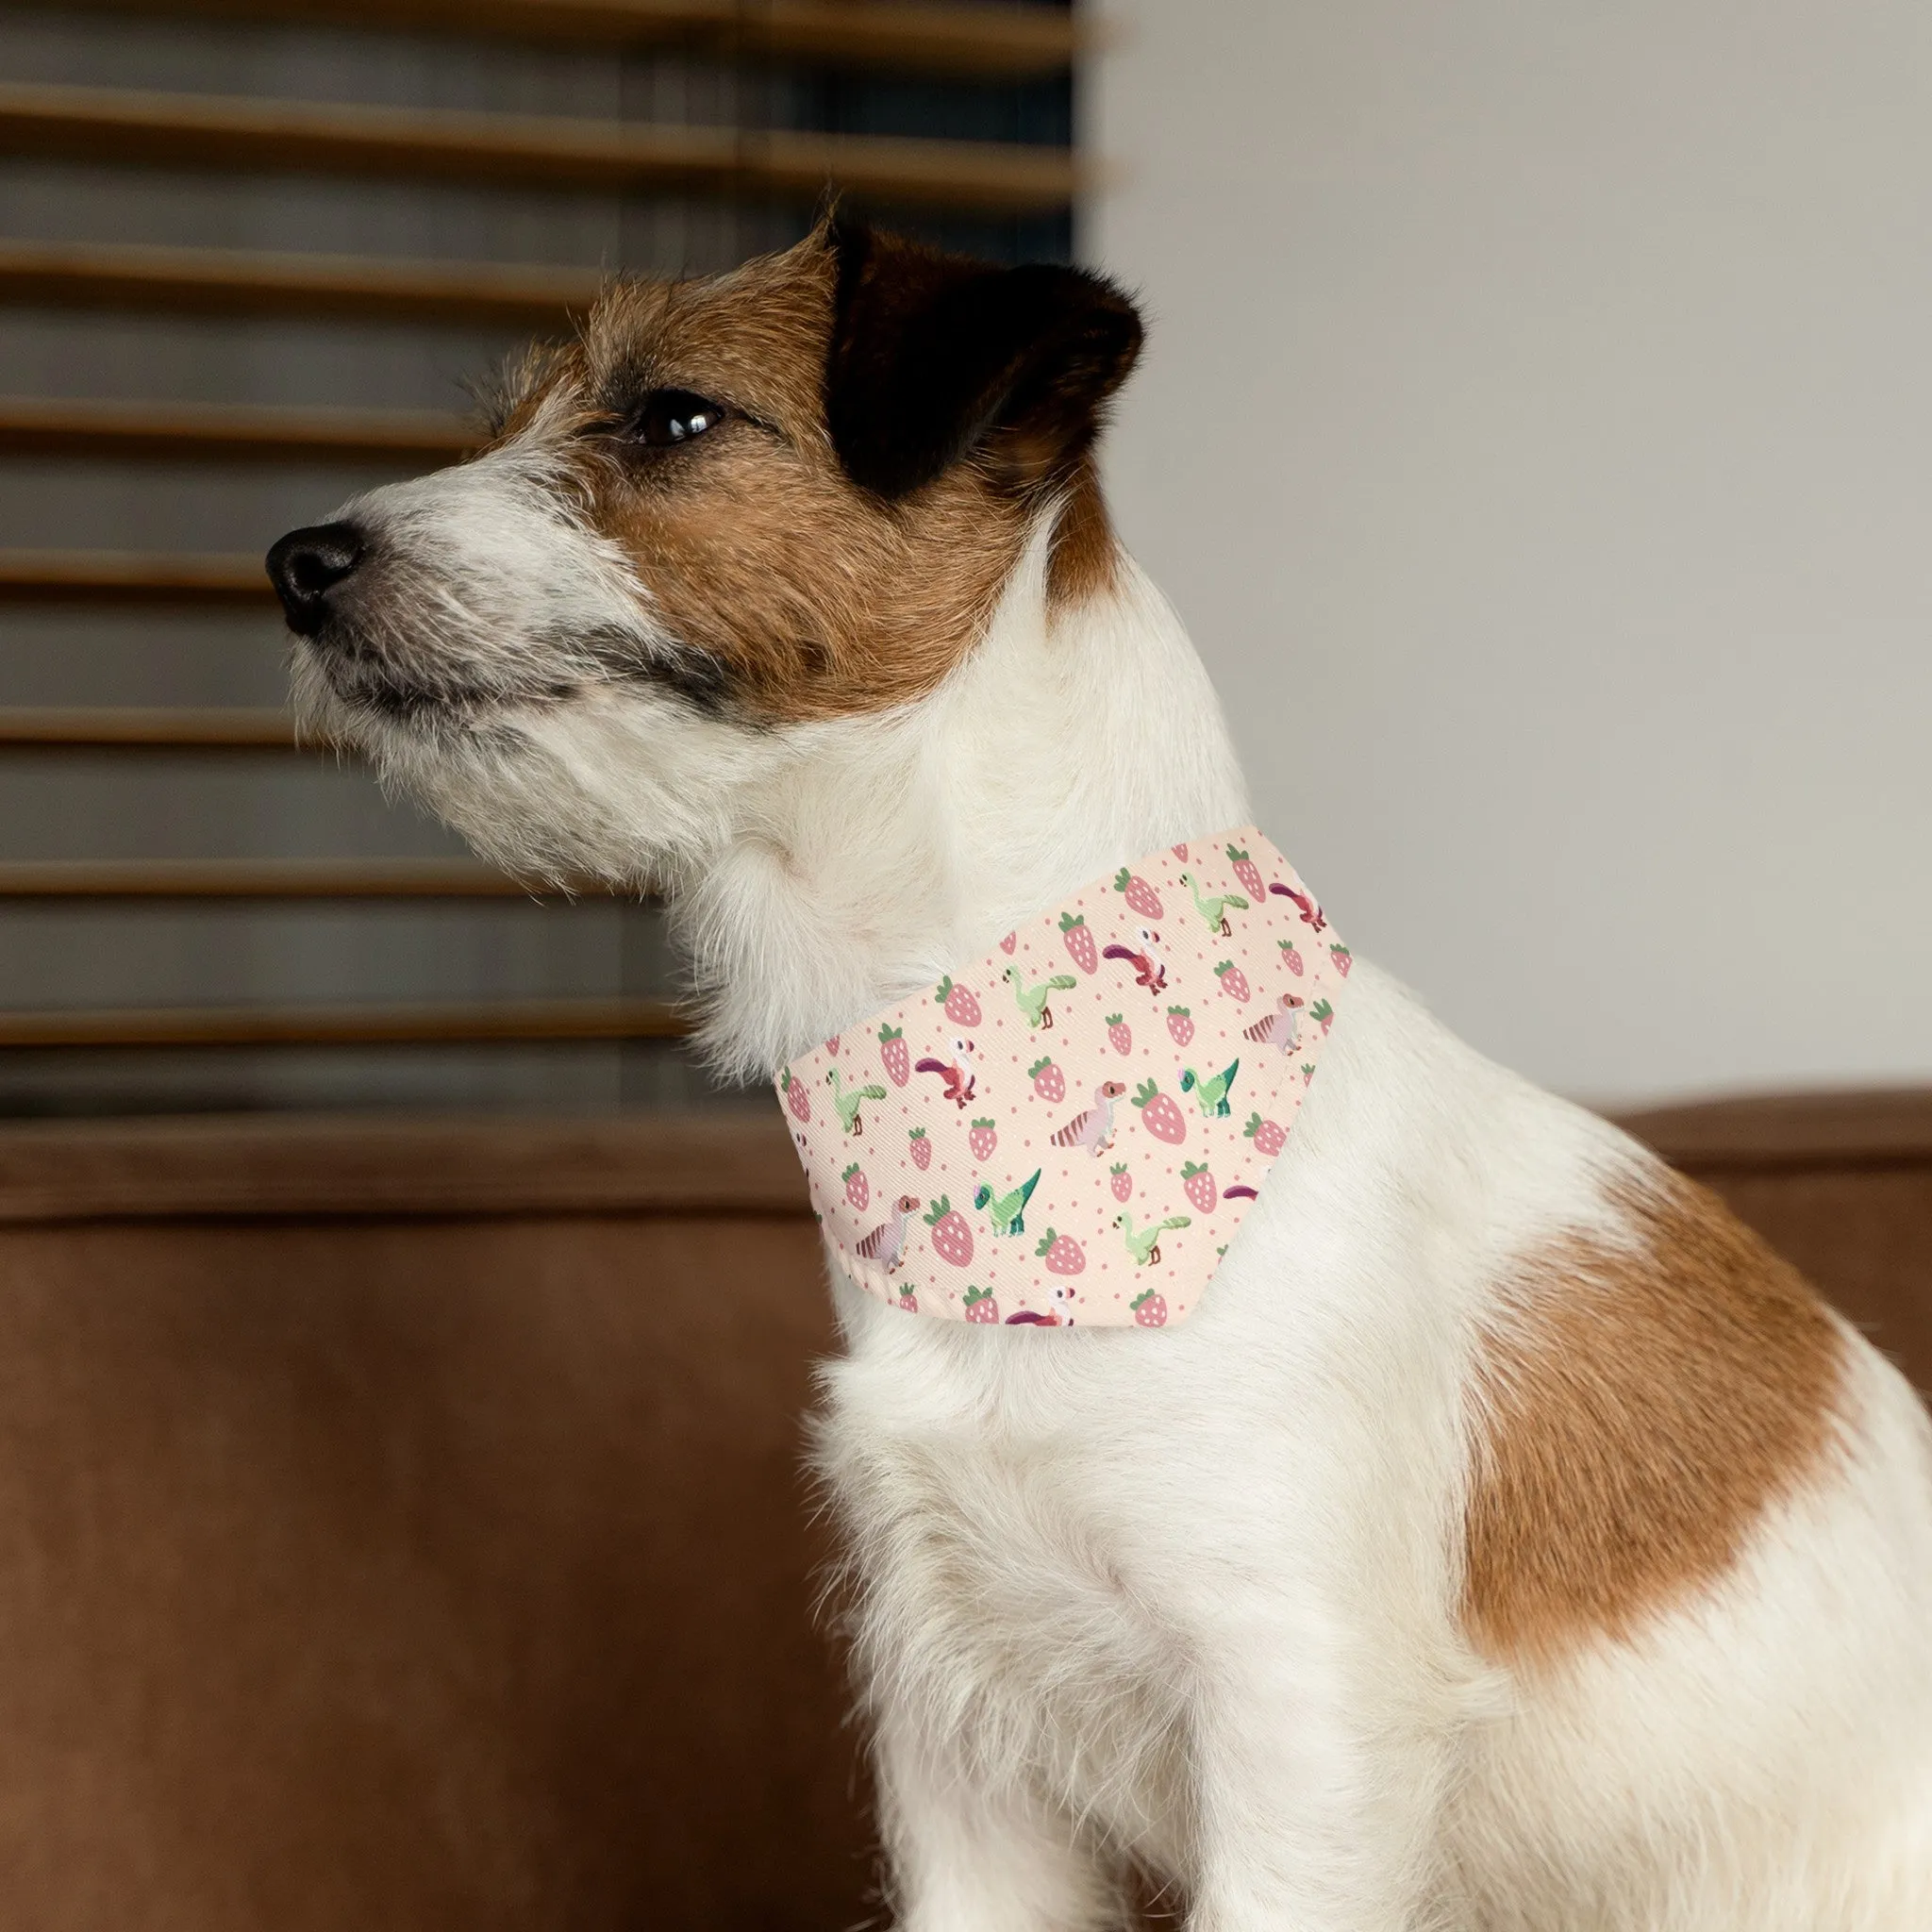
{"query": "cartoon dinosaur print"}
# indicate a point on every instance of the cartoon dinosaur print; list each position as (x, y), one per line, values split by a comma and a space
(849, 1104)
(1213, 1095)
(1282, 1028)
(1059, 1318)
(1213, 908)
(1006, 1212)
(1311, 913)
(1093, 1129)
(1033, 998)
(1150, 970)
(885, 1243)
(1143, 1243)
(960, 1075)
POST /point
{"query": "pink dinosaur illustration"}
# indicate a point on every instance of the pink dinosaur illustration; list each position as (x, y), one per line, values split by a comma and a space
(1150, 970)
(960, 1075)
(1060, 1318)
(1093, 1129)
(885, 1243)
(1282, 1028)
(1311, 913)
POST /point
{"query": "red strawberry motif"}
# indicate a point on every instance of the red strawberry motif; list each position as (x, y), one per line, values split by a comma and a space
(1268, 1136)
(1061, 1253)
(857, 1188)
(1123, 1181)
(1249, 873)
(952, 1239)
(832, 1044)
(1180, 851)
(1160, 1115)
(1323, 1011)
(984, 1139)
(1150, 1308)
(1342, 958)
(1234, 982)
(1011, 940)
(1140, 896)
(1200, 1185)
(1080, 939)
(922, 1149)
(1180, 1024)
(1120, 1033)
(796, 1098)
(906, 1299)
(979, 1305)
(1291, 957)
(892, 1051)
(961, 1008)
(1048, 1081)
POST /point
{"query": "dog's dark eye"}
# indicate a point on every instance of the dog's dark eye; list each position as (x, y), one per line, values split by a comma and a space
(669, 416)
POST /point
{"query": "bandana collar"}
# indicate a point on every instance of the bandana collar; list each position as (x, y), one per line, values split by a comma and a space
(1070, 1130)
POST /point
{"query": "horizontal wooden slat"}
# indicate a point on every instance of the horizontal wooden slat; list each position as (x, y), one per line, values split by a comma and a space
(115, 125)
(128, 727)
(442, 1025)
(131, 576)
(256, 878)
(207, 282)
(991, 40)
(34, 425)
(738, 1162)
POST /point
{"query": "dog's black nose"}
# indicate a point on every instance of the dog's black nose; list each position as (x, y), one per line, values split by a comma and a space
(305, 565)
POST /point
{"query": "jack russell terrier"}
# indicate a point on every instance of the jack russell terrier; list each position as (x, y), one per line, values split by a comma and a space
(1506, 1540)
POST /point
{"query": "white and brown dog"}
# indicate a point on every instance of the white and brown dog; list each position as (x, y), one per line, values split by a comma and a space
(1509, 1542)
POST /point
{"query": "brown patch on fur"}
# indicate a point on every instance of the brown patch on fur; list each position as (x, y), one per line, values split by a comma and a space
(1084, 556)
(813, 596)
(1640, 1409)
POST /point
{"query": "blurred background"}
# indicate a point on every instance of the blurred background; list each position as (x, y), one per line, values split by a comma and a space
(403, 1344)
(1549, 382)
(251, 258)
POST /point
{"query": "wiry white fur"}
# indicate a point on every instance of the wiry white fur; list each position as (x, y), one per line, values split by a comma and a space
(1189, 1600)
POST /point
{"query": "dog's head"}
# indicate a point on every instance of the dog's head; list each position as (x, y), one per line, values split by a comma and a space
(732, 510)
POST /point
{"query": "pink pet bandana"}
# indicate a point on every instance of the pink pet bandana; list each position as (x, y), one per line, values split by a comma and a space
(1070, 1130)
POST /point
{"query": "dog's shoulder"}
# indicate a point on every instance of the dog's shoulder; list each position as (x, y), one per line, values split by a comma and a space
(1644, 1389)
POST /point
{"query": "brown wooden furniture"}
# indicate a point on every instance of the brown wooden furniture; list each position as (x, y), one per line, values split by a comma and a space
(401, 1524)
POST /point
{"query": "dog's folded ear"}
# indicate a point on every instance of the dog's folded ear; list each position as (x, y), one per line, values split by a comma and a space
(934, 357)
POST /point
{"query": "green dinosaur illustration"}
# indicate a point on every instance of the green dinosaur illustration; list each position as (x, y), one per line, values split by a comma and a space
(1213, 1094)
(1033, 998)
(1213, 908)
(1007, 1211)
(1143, 1243)
(849, 1104)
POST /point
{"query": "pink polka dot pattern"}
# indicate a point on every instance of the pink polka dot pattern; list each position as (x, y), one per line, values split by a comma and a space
(1069, 1131)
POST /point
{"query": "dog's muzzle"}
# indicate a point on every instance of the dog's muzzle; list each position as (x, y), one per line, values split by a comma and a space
(306, 566)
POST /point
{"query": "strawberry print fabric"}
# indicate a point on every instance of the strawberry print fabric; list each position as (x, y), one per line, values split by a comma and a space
(1070, 1131)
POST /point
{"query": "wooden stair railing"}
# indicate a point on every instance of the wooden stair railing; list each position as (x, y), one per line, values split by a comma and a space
(116, 126)
(260, 879)
(989, 42)
(231, 432)
(445, 1023)
(282, 136)
(221, 282)
(144, 727)
(131, 576)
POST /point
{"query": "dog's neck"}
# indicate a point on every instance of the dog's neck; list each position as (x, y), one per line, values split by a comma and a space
(892, 849)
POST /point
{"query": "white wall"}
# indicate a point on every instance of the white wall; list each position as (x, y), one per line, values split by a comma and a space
(1535, 432)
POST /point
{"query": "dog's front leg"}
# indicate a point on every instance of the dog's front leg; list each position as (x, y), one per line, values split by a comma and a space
(966, 1855)
(1315, 1811)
